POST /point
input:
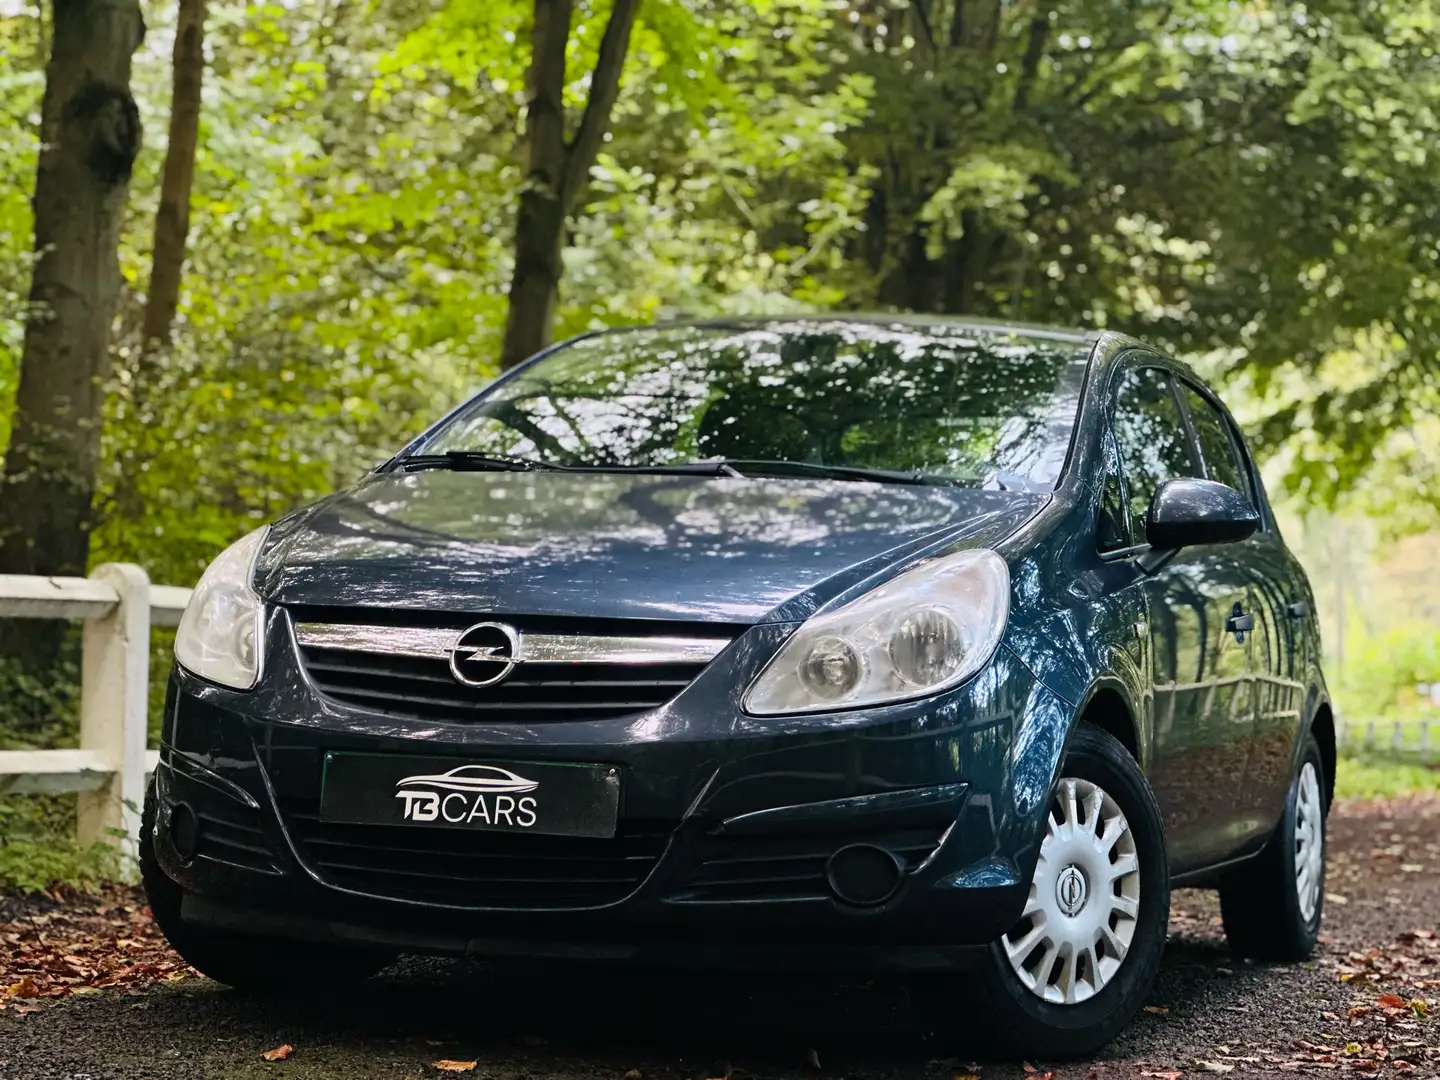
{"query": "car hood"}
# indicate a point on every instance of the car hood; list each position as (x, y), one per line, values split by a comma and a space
(607, 545)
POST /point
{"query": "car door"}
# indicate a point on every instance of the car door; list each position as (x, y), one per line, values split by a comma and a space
(1277, 692)
(1202, 710)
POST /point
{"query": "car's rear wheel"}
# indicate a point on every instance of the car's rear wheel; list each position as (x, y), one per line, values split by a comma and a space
(1272, 907)
(266, 965)
(1077, 966)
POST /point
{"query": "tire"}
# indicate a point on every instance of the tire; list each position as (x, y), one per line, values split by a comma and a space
(259, 964)
(1106, 988)
(1265, 915)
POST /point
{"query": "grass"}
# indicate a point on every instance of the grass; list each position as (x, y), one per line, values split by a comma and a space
(38, 848)
(1369, 776)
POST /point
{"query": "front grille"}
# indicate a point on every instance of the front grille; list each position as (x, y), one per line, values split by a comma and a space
(425, 689)
(476, 869)
(789, 867)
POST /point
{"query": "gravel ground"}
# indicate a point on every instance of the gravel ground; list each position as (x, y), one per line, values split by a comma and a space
(1362, 1007)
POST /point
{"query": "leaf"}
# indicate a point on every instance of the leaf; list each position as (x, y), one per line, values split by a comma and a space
(25, 988)
(280, 1053)
(1168, 1074)
(1391, 1001)
(1158, 1010)
(447, 1065)
(1213, 1067)
(633, 1074)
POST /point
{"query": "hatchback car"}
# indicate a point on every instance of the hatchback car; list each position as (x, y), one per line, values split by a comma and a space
(927, 647)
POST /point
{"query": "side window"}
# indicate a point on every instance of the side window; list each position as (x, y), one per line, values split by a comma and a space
(1113, 528)
(1223, 461)
(1154, 443)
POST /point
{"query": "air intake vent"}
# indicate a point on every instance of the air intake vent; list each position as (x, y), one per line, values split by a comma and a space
(477, 869)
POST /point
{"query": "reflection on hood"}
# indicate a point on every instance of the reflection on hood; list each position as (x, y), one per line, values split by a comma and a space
(610, 545)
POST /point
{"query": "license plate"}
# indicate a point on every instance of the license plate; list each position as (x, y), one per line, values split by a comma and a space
(450, 793)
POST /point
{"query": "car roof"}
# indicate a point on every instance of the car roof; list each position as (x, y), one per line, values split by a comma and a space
(906, 320)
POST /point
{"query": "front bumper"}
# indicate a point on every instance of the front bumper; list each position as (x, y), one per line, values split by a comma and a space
(727, 833)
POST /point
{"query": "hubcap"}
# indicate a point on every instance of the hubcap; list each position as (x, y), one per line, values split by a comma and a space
(1079, 919)
(1309, 841)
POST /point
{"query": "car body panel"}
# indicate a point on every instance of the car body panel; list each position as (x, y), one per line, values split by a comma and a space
(685, 548)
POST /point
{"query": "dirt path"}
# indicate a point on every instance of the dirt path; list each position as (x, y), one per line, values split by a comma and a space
(125, 1009)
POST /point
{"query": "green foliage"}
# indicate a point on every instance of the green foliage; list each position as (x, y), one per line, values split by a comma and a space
(1381, 677)
(38, 848)
(1378, 778)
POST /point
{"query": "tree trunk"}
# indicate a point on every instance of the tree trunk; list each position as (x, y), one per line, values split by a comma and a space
(556, 171)
(172, 220)
(90, 134)
(540, 225)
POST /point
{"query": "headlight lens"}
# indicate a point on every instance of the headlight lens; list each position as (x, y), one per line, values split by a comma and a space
(924, 631)
(221, 633)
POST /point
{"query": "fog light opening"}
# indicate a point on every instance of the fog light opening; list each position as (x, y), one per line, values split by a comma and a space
(864, 875)
(184, 828)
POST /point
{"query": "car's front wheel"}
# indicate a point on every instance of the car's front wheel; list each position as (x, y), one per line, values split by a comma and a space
(1077, 966)
(266, 965)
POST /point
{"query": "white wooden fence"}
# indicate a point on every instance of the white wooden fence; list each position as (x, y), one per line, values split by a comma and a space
(1414, 740)
(119, 605)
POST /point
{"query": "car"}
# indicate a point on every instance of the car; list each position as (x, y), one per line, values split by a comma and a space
(915, 646)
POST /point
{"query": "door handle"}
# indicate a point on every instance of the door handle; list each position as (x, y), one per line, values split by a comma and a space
(1298, 610)
(1240, 623)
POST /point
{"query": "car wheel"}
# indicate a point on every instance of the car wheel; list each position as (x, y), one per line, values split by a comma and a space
(1077, 966)
(1273, 906)
(266, 965)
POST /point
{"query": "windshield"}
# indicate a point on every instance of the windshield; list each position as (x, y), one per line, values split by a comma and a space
(957, 403)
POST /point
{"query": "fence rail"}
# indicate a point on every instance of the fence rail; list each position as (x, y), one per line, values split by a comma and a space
(119, 606)
(1413, 740)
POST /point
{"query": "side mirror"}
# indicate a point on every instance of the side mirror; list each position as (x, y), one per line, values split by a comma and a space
(1187, 512)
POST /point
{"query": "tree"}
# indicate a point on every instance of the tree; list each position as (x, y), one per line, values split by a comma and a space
(172, 220)
(90, 131)
(557, 168)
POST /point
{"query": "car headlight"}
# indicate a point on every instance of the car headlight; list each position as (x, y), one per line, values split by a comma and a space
(925, 630)
(221, 633)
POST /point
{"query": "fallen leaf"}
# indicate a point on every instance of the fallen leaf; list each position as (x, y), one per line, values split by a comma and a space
(1027, 1067)
(24, 988)
(1391, 1001)
(446, 1065)
(1214, 1067)
(1158, 1010)
(280, 1053)
(965, 1076)
(1421, 1006)
(633, 1074)
(1169, 1074)
(812, 1059)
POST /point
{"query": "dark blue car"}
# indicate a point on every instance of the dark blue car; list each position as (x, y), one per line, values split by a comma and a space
(926, 647)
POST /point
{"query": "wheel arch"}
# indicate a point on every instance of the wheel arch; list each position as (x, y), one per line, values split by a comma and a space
(1107, 705)
(1322, 726)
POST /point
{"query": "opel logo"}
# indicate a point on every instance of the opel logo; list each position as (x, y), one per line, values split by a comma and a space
(485, 654)
(1070, 890)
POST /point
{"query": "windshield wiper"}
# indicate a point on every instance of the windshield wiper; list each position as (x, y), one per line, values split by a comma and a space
(473, 461)
(766, 467)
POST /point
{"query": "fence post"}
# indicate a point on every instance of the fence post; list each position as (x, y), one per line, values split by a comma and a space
(114, 703)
